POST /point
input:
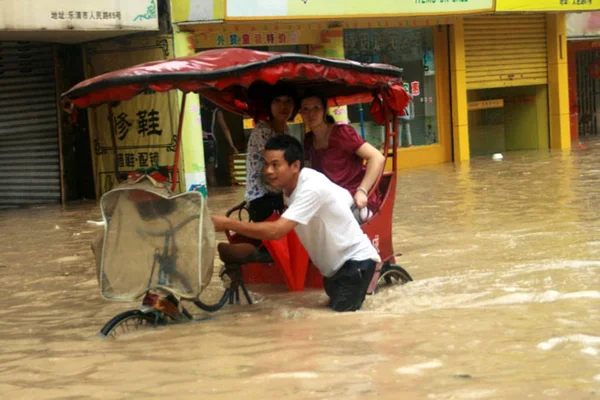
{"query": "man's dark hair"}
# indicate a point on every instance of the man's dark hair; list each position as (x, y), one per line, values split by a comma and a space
(291, 147)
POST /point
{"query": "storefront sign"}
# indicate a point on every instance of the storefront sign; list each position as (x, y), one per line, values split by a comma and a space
(373, 23)
(547, 5)
(586, 24)
(415, 89)
(243, 35)
(257, 38)
(485, 104)
(80, 15)
(260, 9)
(144, 127)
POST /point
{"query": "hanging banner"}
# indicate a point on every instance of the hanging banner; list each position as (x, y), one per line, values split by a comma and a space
(547, 5)
(144, 127)
(252, 9)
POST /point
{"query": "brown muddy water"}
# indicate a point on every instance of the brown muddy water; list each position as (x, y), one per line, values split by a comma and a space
(505, 303)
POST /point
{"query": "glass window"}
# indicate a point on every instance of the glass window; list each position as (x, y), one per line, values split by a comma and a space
(412, 50)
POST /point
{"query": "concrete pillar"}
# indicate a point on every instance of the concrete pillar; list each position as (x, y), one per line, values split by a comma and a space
(460, 117)
(558, 81)
(192, 149)
(332, 46)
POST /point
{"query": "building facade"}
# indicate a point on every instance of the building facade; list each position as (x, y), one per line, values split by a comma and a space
(486, 76)
(43, 156)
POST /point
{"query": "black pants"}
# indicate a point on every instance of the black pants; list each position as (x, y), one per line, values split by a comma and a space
(260, 209)
(210, 151)
(348, 287)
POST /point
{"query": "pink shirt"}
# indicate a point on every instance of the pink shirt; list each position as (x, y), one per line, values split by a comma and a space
(339, 161)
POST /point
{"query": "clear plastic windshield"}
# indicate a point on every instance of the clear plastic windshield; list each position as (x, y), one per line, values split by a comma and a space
(152, 240)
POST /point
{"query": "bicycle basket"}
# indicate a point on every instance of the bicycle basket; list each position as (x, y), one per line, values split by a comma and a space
(152, 239)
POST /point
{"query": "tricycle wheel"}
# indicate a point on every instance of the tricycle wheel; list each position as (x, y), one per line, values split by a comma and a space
(130, 321)
(393, 275)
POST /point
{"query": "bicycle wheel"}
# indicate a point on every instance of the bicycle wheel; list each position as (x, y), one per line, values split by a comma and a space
(130, 321)
(393, 275)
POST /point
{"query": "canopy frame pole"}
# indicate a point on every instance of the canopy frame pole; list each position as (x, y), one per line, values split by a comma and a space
(178, 143)
(113, 139)
(390, 118)
(395, 138)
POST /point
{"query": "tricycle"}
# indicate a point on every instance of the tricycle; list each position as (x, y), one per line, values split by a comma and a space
(161, 246)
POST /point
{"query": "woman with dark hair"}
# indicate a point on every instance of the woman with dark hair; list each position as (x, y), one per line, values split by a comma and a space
(340, 153)
(261, 198)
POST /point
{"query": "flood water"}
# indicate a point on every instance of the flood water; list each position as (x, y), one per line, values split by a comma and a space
(505, 303)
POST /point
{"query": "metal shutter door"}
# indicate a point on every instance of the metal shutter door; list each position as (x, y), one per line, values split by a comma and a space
(29, 157)
(509, 50)
(587, 93)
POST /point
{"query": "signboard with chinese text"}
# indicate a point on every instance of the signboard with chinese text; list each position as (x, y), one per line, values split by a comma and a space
(547, 5)
(145, 127)
(80, 15)
(243, 35)
(485, 104)
(254, 9)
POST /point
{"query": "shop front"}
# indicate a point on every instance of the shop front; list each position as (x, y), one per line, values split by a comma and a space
(485, 76)
(419, 47)
(583, 30)
(415, 38)
(42, 157)
(515, 73)
(506, 60)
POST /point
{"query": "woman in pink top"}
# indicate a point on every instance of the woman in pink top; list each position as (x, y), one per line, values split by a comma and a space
(340, 153)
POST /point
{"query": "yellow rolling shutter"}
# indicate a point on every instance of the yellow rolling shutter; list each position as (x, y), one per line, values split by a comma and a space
(507, 50)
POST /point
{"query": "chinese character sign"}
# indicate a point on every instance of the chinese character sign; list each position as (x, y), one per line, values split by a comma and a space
(81, 15)
(415, 89)
(251, 38)
(144, 127)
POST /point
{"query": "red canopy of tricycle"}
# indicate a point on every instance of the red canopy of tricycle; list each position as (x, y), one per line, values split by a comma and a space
(225, 76)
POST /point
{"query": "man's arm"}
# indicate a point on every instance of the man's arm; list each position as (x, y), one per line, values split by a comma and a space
(269, 230)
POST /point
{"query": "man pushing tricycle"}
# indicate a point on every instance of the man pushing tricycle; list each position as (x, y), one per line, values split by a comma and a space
(320, 214)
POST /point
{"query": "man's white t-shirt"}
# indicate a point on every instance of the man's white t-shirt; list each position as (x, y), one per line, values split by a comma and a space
(326, 226)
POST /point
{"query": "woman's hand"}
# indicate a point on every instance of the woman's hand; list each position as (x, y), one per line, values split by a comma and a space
(360, 199)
